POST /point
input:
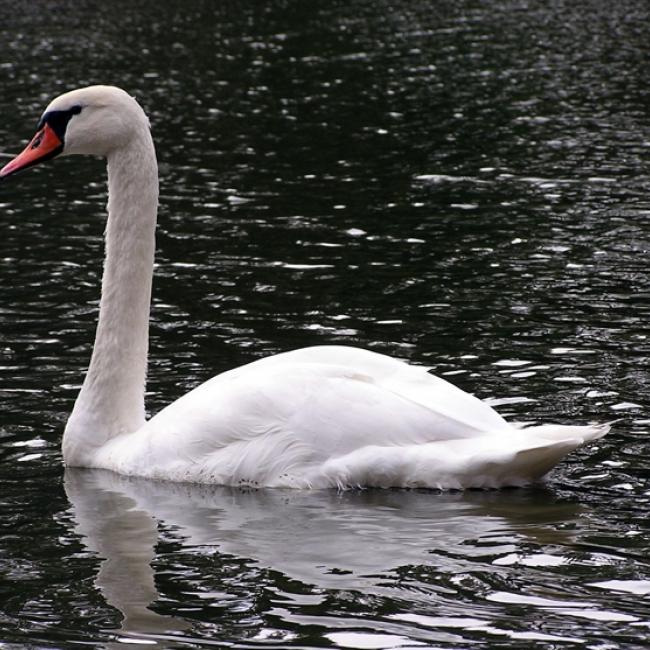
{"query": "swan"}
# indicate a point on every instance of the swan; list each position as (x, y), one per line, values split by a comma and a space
(318, 417)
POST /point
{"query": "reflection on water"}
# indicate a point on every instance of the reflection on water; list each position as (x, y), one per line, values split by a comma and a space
(337, 540)
(382, 544)
(125, 537)
(461, 184)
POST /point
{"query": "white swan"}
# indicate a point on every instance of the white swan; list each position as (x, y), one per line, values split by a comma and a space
(313, 418)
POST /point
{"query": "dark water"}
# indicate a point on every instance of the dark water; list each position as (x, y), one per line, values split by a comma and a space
(462, 184)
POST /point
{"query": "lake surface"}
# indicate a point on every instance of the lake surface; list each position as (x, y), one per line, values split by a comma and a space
(461, 184)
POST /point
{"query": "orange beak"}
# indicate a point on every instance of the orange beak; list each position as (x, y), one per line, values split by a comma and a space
(44, 145)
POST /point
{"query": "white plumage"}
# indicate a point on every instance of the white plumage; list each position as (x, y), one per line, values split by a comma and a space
(314, 418)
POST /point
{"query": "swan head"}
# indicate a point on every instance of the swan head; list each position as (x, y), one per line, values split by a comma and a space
(95, 120)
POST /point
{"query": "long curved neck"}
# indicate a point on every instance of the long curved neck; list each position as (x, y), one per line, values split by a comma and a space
(111, 400)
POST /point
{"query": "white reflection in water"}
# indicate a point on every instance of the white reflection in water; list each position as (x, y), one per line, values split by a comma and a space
(330, 540)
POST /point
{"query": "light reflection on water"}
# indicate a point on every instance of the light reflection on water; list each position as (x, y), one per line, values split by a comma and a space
(461, 185)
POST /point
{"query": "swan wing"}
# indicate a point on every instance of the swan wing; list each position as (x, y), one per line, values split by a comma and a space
(328, 417)
(350, 365)
(280, 419)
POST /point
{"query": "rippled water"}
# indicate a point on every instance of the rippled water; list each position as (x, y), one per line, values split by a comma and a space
(461, 184)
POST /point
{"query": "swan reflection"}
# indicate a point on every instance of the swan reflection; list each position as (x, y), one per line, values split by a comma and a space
(349, 540)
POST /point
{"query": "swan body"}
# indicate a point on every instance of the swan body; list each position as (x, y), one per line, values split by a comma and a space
(327, 416)
(332, 416)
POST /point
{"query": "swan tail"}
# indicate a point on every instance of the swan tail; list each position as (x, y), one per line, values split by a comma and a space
(487, 462)
(552, 444)
(526, 465)
(562, 432)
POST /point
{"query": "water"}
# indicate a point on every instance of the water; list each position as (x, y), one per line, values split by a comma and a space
(460, 184)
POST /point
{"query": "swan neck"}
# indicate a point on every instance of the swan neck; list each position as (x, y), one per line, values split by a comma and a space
(111, 400)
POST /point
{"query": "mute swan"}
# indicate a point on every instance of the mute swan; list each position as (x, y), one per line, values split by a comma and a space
(328, 416)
